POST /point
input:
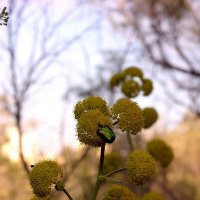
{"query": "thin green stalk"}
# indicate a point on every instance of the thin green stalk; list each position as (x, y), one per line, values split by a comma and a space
(69, 196)
(98, 181)
(130, 142)
(115, 171)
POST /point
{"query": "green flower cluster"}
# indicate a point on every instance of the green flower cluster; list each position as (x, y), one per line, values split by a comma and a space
(118, 192)
(132, 82)
(43, 176)
(141, 167)
(91, 113)
(153, 196)
(129, 116)
(150, 117)
(112, 161)
(161, 151)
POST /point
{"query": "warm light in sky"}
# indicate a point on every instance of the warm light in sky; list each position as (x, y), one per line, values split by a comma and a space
(10, 149)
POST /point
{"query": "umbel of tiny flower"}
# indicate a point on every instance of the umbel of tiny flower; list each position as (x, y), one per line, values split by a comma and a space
(118, 192)
(161, 151)
(153, 196)
(112, 161)
(129, 116)
(116, 79)
(41, 198)
(130, 88)
(44, 176)
(147, 86)
(88, 126)
(141, 167)
(91, 103)
(150, 116)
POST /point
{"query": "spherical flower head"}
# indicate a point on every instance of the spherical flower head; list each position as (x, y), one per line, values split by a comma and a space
(153, 196)
(112, 161)
(129, 115)
(161, 151)
(147, 86)
(88, 126)
(118, 192)
(141, 167)
(41, 198)
(133, 72)
(43, 176)
(91, 103)
(150, 117)
(116, 79)
(130, 88)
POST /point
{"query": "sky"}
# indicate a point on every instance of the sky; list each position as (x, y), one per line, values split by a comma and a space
(46, 108)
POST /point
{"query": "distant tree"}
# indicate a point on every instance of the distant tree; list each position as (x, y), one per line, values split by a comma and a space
(4, 17)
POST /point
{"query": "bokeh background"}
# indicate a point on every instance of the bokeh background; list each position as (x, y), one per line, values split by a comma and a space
(54, 53)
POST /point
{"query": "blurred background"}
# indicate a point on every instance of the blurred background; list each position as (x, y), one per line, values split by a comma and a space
(54, 53)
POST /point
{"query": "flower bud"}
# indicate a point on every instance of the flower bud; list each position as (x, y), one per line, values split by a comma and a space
(161, 151)
(150, 117)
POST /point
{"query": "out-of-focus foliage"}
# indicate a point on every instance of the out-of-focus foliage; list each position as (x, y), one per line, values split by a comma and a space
(112, 161)
(153, 196)
(161, 151)
(118, 192)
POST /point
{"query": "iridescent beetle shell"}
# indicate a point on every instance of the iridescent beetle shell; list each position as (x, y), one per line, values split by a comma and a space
(106, 134)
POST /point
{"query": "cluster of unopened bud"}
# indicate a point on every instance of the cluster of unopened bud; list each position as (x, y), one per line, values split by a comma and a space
(132, 82)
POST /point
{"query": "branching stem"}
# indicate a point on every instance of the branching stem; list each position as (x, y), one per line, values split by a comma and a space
(115, 171)
(67, 193)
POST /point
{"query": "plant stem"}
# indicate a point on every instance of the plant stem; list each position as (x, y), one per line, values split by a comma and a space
(116, 122)
(98, 181)
(115, 171)
(69, 196)
(130, 142)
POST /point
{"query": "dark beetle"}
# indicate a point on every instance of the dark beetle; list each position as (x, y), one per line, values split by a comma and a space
(106, 134)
